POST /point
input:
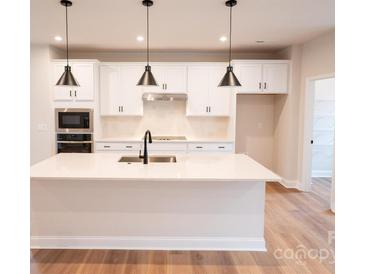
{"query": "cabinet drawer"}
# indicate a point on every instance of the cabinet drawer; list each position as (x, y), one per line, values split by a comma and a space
(213, 147)
(117, 146)
(166, 147)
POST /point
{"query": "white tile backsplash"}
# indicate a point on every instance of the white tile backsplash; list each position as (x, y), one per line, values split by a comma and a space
(165, 118)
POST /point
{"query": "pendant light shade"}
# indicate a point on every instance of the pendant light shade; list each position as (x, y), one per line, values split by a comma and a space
(147, 78)
(67, 78)
(229, 79)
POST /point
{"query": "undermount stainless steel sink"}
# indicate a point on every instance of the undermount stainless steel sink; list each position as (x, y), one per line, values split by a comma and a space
(151, 159)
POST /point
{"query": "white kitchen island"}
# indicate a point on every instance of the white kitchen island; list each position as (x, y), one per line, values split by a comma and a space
(201, 202)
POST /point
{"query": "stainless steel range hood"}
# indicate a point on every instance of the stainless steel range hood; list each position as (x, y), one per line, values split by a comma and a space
(164, 97)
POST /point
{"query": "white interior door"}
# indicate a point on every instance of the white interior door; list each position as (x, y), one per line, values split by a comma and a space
(198, 91)
(84, 74)
(60, 93)
(109, 90)
(275, 78)
(219, 97)
(250, 77)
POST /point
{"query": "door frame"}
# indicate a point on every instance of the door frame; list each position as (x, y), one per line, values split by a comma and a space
(306, 177)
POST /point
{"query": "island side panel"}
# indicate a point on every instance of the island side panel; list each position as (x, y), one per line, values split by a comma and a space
(198, 215)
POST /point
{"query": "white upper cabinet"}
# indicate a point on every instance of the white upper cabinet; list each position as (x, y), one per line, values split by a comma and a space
(275, 78)
(109, 89)
(171, 78)
(198, 91)
(204, 96)
(262, 77)
(250, 77)
(175, 79)
(119, 93)
(219, 97)
(130, 95)
(84, 72)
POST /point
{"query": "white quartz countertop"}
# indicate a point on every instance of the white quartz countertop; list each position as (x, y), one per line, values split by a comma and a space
(105, 166)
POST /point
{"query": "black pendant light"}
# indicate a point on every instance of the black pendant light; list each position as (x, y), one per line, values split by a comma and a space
(67, 79)
(229, 79)
(147, 78)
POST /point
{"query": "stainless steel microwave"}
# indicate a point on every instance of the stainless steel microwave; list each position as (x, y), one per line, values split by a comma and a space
(74, 119)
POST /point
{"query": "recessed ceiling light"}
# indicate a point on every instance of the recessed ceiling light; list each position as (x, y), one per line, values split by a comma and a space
(140, 38)
(58, 38)
(223, 39)
(260, 41)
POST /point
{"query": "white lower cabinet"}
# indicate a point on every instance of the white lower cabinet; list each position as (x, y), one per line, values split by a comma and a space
(164, 148)
(167, 147)
(117, 147)
(210, 147)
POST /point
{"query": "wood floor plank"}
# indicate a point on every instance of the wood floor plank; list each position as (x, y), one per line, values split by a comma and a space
(294, 221)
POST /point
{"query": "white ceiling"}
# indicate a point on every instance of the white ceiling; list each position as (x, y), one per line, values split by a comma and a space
(181, 24)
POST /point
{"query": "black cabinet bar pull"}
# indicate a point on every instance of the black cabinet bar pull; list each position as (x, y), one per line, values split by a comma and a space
(106, 146)
(70, 93)
(199, 147)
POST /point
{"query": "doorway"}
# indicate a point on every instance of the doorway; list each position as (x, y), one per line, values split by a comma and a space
(319, 142)
(323, 133)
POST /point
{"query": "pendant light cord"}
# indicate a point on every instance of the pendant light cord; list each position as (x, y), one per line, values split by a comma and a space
(148, 37)
(66, 35)
(230, 34)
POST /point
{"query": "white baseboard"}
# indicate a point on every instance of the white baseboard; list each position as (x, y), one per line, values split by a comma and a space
(322, 173)
(289, 183)
(149, 243)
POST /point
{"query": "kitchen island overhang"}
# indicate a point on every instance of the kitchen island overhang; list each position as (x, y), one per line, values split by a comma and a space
(92, 201)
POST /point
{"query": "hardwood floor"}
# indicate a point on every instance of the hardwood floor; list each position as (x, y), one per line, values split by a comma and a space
(297, 227)
(321, 186)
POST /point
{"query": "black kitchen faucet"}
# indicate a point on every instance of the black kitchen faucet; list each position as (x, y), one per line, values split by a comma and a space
(145, 153)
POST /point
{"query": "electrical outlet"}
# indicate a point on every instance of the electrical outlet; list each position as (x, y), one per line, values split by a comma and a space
(42, 127)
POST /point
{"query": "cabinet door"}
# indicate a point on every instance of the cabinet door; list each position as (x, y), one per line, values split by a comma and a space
(158, 73)
(109, 90)
(275, 78)
(219, 98)
(198, 91)
(60, 93)
(130, 95)
(175, 79)
(84, 74)
(250, 77)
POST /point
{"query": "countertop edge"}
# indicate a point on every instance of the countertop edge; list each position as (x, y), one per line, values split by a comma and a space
(153, 179)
